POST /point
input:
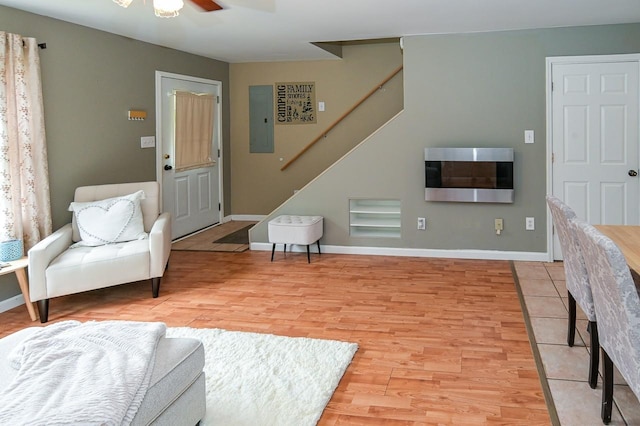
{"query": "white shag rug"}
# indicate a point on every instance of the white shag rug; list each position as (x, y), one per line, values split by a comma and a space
(263, 379)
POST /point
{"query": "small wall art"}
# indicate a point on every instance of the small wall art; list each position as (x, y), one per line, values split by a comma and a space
(295, 103)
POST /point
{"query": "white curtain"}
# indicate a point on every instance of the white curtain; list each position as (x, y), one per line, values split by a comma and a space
(25, 209)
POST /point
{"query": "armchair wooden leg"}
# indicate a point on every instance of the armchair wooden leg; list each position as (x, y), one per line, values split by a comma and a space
(607, 388)
(594, 359)
(43, 310)
(155, 286)
(571, 326)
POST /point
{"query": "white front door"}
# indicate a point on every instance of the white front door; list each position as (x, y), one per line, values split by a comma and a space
(193, 197)
(595, 153)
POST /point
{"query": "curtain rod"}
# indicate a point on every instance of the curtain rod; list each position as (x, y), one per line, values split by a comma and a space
(40, 45)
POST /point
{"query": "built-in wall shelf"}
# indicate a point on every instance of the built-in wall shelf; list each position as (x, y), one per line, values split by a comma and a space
(374, 218)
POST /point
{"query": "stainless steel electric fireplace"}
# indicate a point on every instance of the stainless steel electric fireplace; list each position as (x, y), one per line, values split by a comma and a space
(475, 175)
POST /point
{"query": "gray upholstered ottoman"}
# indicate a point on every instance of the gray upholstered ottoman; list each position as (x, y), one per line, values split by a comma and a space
(176, 394)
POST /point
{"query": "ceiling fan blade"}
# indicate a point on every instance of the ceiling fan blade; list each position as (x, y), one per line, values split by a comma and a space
(207, 5)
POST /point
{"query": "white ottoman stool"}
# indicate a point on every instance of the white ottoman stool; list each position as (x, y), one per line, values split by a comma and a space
(303, 230)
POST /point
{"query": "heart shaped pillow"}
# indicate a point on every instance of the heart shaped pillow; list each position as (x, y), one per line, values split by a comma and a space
(109, 221)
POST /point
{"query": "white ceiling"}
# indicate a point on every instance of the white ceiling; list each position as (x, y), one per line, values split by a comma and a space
(278, 30)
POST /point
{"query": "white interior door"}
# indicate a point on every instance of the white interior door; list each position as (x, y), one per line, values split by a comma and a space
(595, 157)
(193, 197)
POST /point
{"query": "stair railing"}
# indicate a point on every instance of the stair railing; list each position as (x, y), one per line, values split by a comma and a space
(342, 117)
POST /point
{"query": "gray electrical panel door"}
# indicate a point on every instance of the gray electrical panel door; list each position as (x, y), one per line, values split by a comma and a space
(260, 119)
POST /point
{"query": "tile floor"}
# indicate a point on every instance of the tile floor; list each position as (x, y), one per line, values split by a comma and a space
(566, 369)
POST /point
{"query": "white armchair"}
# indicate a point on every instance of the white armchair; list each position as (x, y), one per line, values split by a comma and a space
(57, 269)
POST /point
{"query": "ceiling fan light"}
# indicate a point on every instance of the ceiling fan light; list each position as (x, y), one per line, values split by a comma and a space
(166, 8)
(123, 3)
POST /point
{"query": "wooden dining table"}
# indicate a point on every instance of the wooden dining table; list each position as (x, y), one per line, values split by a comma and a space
(627, 238)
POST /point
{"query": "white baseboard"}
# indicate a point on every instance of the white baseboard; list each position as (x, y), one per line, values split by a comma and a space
(389, 251)
(12, 302)
(247, 217)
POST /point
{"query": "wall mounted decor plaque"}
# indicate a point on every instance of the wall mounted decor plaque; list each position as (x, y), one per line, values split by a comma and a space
(295, 103)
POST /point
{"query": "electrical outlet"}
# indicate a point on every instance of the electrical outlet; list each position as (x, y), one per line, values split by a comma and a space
(422, 223)
(530, 224)
(499, 226)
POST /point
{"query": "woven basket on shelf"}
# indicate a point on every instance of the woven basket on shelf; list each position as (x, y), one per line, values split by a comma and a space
(10, 250)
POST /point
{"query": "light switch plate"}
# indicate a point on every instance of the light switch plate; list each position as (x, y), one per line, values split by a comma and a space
(147, 142)
(529, 136)
(320, 106)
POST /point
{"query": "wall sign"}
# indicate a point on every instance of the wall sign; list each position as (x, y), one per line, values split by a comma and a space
(296, 103)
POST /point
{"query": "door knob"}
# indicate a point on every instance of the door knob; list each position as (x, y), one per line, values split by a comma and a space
(167, 167)
(633, 173)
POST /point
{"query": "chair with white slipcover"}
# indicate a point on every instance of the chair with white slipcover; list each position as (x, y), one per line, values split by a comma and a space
(617, 308)
(577, 281)
(118, 235)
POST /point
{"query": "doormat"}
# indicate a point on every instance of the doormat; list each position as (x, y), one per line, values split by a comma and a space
(241, 236)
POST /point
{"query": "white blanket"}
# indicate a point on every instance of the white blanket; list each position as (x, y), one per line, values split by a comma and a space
(93, 373)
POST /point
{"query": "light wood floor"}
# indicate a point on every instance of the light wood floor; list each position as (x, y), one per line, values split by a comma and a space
(440, 341)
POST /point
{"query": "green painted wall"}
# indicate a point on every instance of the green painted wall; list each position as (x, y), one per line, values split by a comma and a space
(90, 80)
(459, 90)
